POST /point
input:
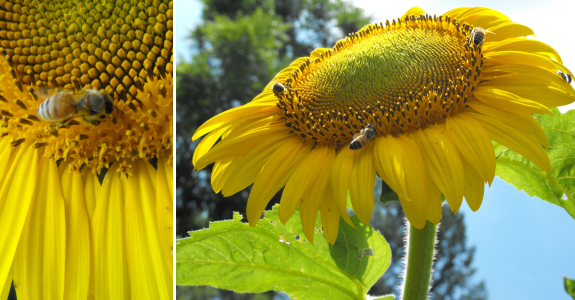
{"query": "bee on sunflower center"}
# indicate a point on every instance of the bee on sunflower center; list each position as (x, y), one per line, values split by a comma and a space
(62, 106)
(362, 138)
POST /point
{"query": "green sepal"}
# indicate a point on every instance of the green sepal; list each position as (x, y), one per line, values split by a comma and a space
(387, 194)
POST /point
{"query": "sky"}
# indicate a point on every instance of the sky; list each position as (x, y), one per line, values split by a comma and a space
(524, 245)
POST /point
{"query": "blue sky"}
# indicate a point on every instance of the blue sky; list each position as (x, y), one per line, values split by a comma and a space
(524, 245)
(188, 15)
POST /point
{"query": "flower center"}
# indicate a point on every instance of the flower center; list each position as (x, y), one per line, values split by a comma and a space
(122, 49)
(398, 77)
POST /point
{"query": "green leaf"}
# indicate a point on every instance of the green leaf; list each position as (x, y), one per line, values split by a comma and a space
(569, 286)
(387, 194)
(232, 255)
(384, 297)
(557, 187)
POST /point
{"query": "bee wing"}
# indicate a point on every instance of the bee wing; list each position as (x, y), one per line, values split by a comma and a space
(45, 92)
(79, 95)
(355, 136)
(271, 85)
(72, 99)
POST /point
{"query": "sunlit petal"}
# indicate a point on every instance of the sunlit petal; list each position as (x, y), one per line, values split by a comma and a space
(77, 237)
(15, 202)
(144, 248)
(108, 240)
(40, 262)
(165, 211)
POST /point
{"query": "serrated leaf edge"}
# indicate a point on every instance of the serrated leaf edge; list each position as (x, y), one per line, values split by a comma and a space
(541, 173)
(242, 226)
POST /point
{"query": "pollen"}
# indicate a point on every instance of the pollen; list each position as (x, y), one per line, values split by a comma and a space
(398, 76)
(120, 48)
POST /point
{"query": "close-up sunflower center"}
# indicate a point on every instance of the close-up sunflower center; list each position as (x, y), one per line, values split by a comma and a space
(400, 76)
(52, 51)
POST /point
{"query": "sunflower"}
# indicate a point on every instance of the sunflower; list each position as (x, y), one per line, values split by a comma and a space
(433, 90)
(86, 209)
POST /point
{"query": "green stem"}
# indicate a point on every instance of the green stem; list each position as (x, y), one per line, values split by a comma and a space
(419, 261)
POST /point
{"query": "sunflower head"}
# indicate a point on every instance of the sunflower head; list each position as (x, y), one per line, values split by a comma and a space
(121, 50)
(423, 96)
(400, 77)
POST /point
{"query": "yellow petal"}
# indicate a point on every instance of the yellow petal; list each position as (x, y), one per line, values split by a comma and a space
(40, 262)
(549, 96)
(519, 58)
(318, 52)
(77, 237)
(168, 173)
(473, 188)
(473, 143)
(302, 179)
(339, 180)
(477, 16)
(443, 163)
(399, 162)
(415, 11)
(250, 110)
(329, 217)
(91, 191)
(388, 160)
(509, 102)
(309, 207)
(525, 45)
(273, 176)
(5, 287)
(516, 140)
(207, 142)
(434, 207)
(525, 80)
(413, 212)
(221, 168)
(165, 211)
(16, 193)
(361, 183)
(152, 173)
(523, 122)
(241, 144)
(508, 29)
(5, 159)
(150, 276)
(108, 240)
(416, 182)
(250, 166)
(526, 76)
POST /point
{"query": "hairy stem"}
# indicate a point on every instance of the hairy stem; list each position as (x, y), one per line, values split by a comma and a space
(420, 251)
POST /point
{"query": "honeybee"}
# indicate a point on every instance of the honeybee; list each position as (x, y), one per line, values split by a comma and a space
(478, 35)
(363, 138)
(64, 105)
(566, 77)
(277, 87)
